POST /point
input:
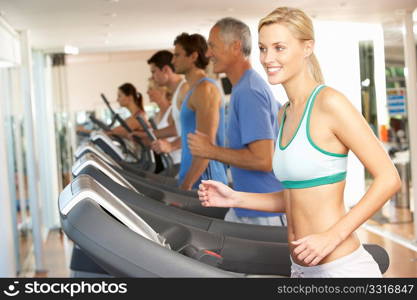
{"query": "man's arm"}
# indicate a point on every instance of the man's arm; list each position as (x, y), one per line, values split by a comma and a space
(205, 101)
(256, 156)
(256, 132)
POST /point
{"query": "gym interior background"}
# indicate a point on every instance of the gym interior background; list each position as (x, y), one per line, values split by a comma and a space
(56, 57)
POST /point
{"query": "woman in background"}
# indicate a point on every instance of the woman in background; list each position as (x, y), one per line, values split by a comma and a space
(161, 97)
(130, 98)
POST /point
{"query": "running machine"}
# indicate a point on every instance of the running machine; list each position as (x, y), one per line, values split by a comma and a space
(245, 231)
(138, 202)
(124, 243)
(114, 149)
(146, 245)
(89, 147)
(132, 170)
(166, 158)
(145, 165)
(185, 202)
(147, 159)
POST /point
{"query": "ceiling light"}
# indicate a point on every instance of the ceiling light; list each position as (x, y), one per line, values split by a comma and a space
(113, 1)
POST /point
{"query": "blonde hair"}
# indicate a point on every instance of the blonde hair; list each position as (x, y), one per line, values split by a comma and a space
(301, 27)
(153, 85)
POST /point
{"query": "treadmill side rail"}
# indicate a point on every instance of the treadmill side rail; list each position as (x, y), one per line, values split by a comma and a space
(84, 187)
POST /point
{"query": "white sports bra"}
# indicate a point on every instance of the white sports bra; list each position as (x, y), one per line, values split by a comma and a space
(301, 163)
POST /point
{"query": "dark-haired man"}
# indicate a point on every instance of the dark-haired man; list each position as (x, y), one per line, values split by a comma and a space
(163, 74)
(202, 110)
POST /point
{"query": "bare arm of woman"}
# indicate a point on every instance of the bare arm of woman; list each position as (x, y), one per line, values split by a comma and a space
(163, 146)
(214, 193)
(168, 131)
(348, 125)
(120, 131)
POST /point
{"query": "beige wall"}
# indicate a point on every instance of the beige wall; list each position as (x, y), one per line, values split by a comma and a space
(88, 75)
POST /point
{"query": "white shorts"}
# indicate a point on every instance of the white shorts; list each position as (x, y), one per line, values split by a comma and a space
(280, 220)
(359, 263)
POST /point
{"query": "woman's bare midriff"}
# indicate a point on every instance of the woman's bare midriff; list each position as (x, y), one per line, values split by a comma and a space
(315, 210)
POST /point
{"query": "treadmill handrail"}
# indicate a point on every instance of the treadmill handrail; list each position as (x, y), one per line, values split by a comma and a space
(153, 124)
(99, 123)
(116, 115)
(90, 147)
(97, 135)
(122, 212)
(145, 127)
(166, 158)
(90, 159)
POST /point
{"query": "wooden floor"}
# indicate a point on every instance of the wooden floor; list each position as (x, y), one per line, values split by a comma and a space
(403, 261)
(56, 262)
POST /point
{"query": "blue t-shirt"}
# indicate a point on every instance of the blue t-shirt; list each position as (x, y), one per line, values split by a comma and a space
(252, 116)
(215, 169)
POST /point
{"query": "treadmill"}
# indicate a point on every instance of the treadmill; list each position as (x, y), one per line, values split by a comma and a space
(126, 243)
(184, 201)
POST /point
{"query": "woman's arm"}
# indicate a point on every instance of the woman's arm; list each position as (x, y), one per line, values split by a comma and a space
(214, 193)
(353, 131)
(132, 123)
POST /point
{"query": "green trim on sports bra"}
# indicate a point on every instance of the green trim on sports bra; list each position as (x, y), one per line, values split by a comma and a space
(299, 123)
(314, 182)
(308, 132)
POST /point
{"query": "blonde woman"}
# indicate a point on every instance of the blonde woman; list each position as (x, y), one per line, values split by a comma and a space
(318, 128)
(161, 97)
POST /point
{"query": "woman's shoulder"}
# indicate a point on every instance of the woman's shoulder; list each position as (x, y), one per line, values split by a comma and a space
(331, 100)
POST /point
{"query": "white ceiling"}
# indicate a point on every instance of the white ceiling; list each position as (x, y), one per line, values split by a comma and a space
(101, 25)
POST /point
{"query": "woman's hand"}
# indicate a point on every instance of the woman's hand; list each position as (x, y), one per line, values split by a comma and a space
(313, 248)
(214, 193)
(161, 146)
